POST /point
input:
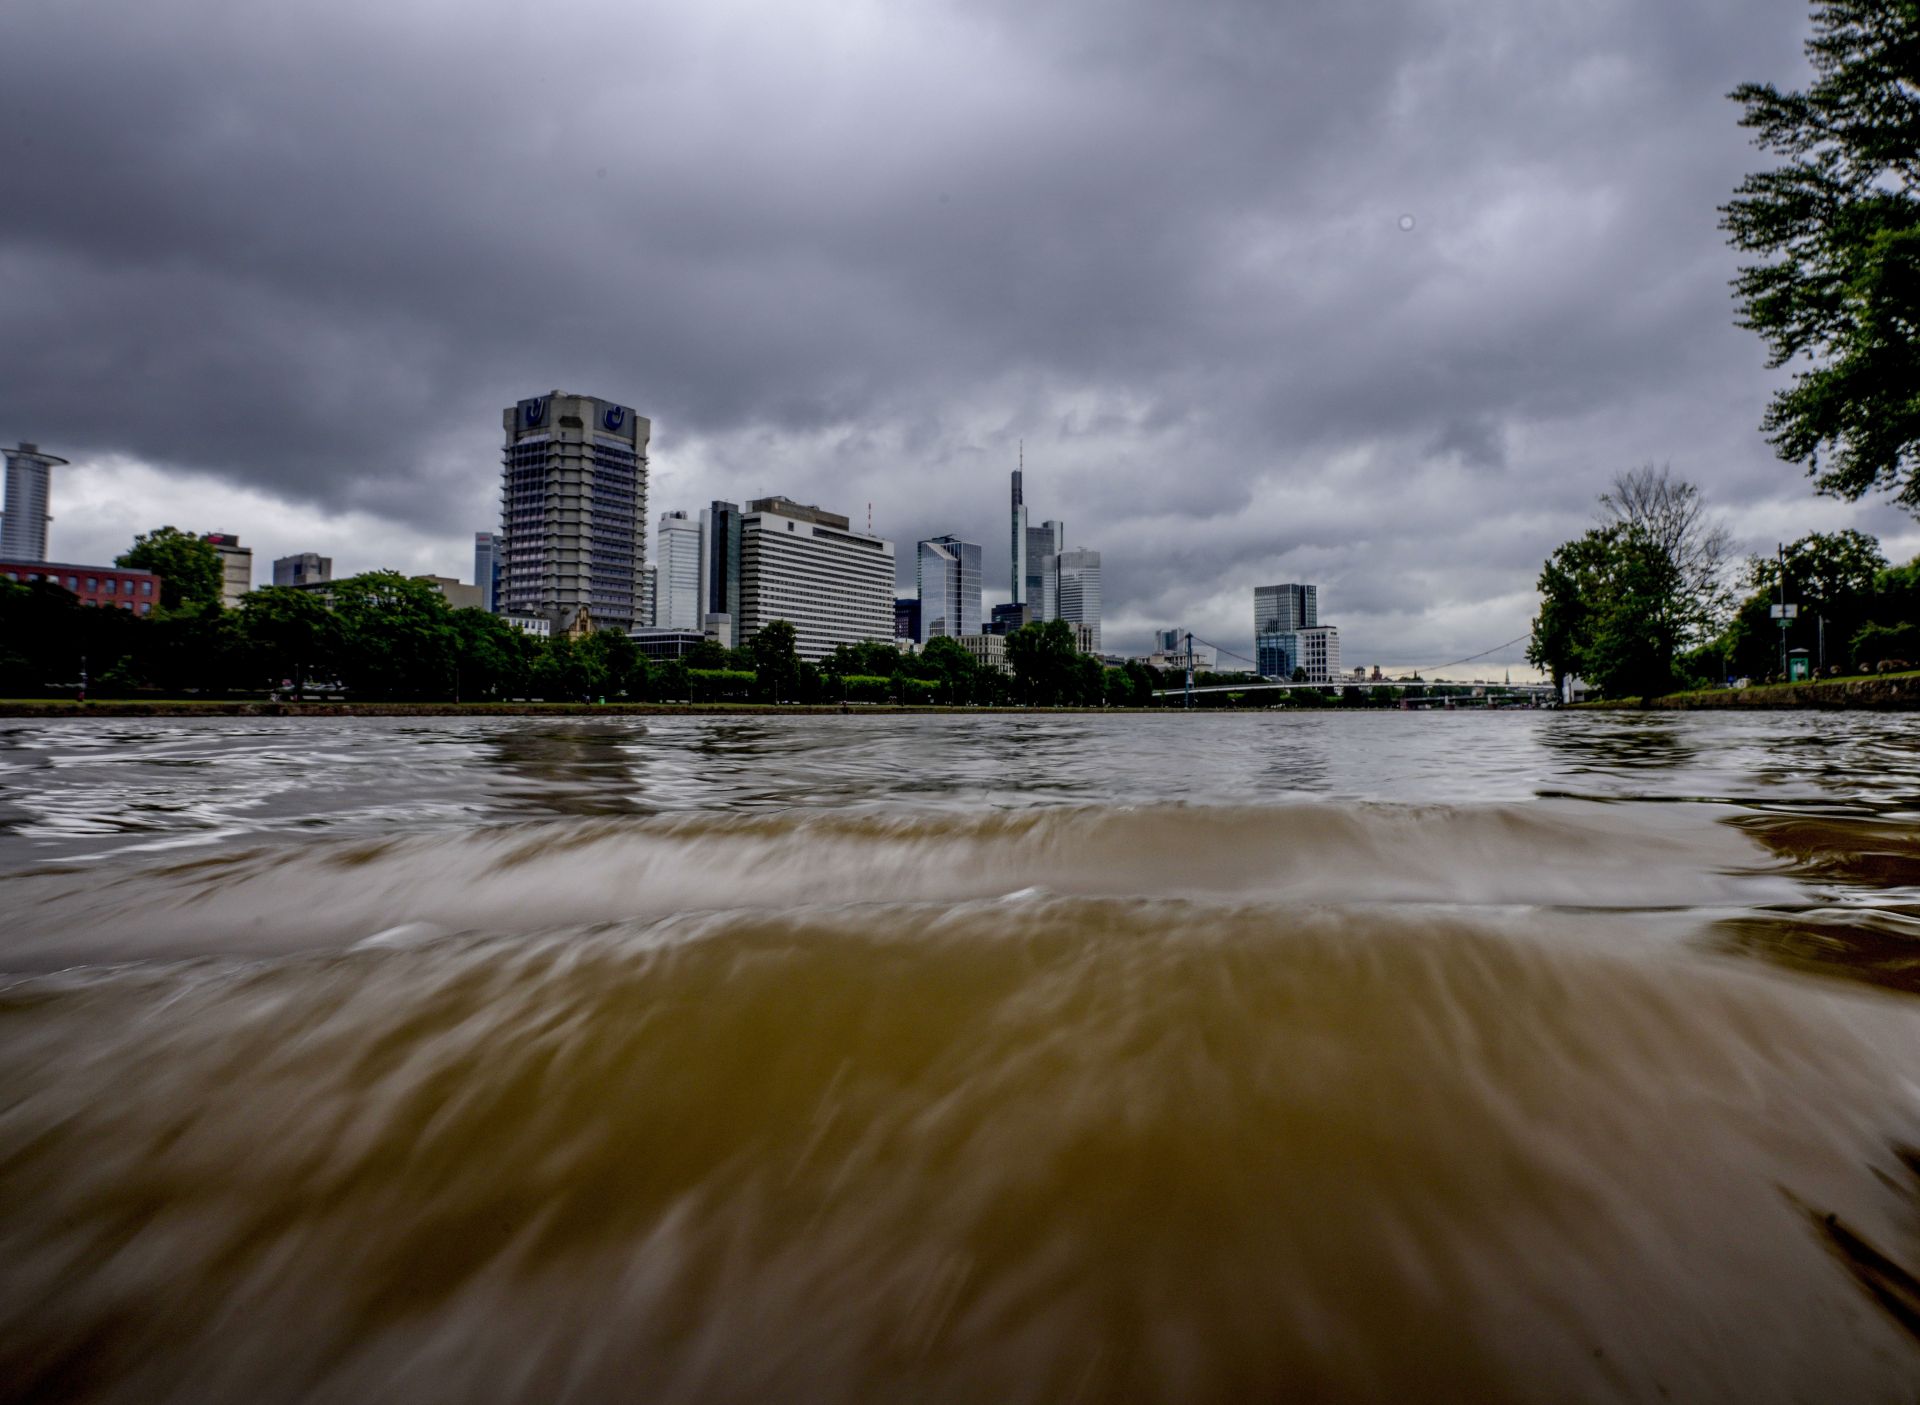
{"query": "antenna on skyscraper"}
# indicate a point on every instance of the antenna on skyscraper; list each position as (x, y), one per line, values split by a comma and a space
(869, 518)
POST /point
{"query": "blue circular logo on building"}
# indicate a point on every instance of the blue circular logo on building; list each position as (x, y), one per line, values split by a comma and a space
(533, 412)
(614, 418)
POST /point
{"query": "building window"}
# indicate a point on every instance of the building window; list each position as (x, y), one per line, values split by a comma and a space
(73, 582)
(146, 587)
(93, 582)
(113, 586)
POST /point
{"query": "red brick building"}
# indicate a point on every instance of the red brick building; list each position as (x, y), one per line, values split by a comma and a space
(108, 587)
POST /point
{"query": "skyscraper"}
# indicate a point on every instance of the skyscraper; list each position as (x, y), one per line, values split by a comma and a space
(677, 605)
(1044, 543)
(1077, 590)
(813, 569)
(948, 571)
(1277, 607)
(486, 568)
(1288, 635)
(307, 568)
(573, 511)
(721, 564)
(1019, 541)
(23, 524)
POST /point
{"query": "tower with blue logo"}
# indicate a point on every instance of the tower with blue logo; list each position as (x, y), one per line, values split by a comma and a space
(573, 512)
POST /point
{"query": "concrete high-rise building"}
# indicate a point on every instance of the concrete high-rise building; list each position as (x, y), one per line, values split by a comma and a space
(948, 571)
(573, 489)
(307, 568)
(29, 503)
(649, 596)
(677, 602)
(1077, 591)
(813, 569)
(486, 567)
(1044, 543)
(236, 566)
(1018, 541)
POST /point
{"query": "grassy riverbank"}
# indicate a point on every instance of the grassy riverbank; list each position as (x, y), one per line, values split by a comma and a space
(1886, 692)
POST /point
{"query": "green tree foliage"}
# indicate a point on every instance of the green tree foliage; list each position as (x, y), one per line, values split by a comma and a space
(290, 633)
(396, 637)
(1611, 612)
(45, 636)
(1831, 576)
(493, 660)
(776, 661)
(190, 570)
(1839, 225)
(1672, 514)
(870, 658)
(1043, 660)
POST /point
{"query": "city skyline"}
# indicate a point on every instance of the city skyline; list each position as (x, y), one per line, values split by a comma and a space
(1394, 334)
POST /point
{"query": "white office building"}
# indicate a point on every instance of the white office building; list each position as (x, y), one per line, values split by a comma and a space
(813, 569)
(1077, 591)
(1320, 653)
(677, 598)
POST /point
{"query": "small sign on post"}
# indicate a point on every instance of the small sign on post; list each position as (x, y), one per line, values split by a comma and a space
(1783, 613)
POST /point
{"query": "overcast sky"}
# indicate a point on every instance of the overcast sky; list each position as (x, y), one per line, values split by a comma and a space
(1373, 296)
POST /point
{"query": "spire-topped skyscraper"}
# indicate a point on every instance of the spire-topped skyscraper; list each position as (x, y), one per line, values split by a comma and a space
(1020, 529)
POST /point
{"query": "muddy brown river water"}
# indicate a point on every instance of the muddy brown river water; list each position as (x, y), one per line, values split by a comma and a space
(1366, 1057)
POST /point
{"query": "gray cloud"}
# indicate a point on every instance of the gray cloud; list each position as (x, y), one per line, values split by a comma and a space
(856, 254)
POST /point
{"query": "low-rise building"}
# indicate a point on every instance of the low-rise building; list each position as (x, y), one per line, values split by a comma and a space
(104, 587)
(461, 597)
(986, 650)
(660, 645)
(236, 566)
(305, 568)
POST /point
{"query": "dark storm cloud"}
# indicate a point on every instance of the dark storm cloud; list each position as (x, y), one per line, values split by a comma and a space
(1374, 295)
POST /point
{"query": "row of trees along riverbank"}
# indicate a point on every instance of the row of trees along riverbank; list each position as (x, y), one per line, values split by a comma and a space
(1650, 601)
(384, 637)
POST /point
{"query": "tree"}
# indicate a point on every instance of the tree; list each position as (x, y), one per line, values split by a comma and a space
(1672, 514)
(776, 660)
(1832, 576)
(1610, 612)
(396, 636)
(1839, 221)
(190, 570)
(1041, 656)
(290, 631)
